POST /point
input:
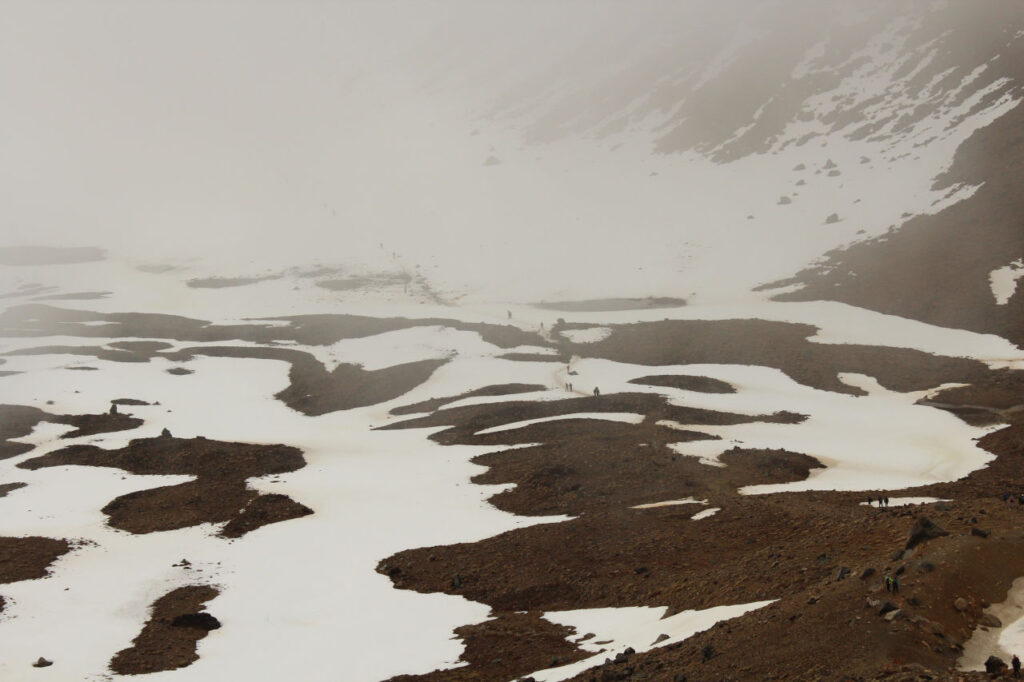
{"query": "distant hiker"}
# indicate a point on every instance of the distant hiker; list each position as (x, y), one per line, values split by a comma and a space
(888, 584)
(895, 585)
(885, 502)
(113, 408)
(1016, 666)
(870, 502)
(597, 391)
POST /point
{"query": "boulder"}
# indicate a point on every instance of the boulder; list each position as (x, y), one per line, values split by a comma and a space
(994, 665)
(960, 604)
(894, 615)
(980, 533)
(42, 663)
(924, 530)
(199, 621)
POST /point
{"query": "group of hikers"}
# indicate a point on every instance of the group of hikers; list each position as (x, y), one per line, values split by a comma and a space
(882, 501)
(892, 584)
(1013, 500)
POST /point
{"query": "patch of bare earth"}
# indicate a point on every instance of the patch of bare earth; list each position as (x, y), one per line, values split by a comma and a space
(218, 494)
(821, 555)
(18, 421)
(168, 640)
(28, 558)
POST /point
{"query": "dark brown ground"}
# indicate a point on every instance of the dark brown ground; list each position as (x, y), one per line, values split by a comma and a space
(218, 494)
(790, 547)
(28, 558)
(601, 305)
(162, 645)
(17, 421)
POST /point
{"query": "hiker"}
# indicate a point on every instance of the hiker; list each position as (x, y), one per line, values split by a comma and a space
(895, 585)
(886, 502)
(509, 314)
(888, 584)
(113, 408)
(597, 391)
(870, 502)
(1016, 666)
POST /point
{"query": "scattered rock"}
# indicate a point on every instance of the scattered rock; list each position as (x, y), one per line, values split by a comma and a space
(841, 573)
(832, 218)
(867, 573)
(894, 615)
(784, 200)
(988, 620)
(942, 505)
(980, 533)
(994, 665)
(661, 638)
(960, 604)
(42, 663)
(200, 621)
(924, 530)
(886, 608)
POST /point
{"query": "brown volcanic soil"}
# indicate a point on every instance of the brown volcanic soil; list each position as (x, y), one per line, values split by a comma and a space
(218, 494)
(17, 421)
(790, 547)
(544, 644)
(313, 330)
(438, 403)
(162, 645)
(686, 383)
(29, 558)
(782, 345)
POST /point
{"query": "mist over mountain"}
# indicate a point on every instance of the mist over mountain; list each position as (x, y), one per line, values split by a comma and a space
(658, 145)
(535, 340)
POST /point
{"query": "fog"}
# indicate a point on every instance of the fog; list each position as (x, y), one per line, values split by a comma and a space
(484, 142)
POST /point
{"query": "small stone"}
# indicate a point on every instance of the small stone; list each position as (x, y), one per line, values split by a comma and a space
(991, 621)
(894, 615)
(42, 663)
(867, 573)
(886, 608)
(980, 533)
(960, 604)
(841, 573)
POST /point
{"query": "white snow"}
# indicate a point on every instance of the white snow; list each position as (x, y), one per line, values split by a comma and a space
(624, 417)
(1003, 281)
(705, 513)
(1003, 641)
(588, 335)
(669, 503)
(637, 627)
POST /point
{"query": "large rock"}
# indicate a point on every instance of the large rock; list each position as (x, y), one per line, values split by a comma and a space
(924, 530)
(994, 665)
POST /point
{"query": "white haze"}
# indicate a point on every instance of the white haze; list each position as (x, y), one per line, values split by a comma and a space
(261, 135)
